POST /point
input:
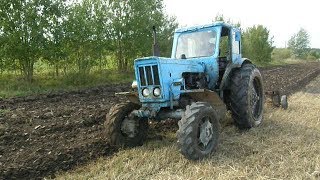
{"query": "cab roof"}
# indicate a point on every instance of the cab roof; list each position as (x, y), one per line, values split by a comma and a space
(194, 28)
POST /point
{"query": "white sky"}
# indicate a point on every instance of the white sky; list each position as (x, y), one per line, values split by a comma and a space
(282, 18)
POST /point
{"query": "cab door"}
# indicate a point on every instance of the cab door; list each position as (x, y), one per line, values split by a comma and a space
(236, 46)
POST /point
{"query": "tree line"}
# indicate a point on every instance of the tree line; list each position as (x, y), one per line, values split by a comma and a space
(81, 35)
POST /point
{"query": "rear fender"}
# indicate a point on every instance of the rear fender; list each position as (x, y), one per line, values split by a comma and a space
(227, 74)
(245, 61)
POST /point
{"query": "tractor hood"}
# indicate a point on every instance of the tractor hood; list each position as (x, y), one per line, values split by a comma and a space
(165, 73)
(173, 66)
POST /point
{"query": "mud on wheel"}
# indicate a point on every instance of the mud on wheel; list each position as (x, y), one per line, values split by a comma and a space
(246, 97)
(122, 130)
(198, 132)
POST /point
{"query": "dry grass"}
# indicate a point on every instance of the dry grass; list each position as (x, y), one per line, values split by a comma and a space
(286, 146)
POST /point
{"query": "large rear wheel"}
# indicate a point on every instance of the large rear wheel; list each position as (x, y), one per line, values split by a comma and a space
(246, 97)
(125, 131)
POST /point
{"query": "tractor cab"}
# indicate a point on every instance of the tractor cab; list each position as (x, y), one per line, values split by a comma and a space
(217, 40)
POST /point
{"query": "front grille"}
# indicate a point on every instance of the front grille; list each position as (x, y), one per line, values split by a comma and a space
(149, 75)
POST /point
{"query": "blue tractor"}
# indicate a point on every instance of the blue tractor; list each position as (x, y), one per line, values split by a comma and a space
(205, 76)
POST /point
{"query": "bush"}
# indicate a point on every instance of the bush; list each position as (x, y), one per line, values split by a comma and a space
(257, 44)
(311, 57)
(281, 53)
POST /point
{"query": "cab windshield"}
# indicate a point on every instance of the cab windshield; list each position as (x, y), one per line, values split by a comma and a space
(196, 44)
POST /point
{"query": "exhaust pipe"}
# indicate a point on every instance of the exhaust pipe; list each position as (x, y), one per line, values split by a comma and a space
(156, 49)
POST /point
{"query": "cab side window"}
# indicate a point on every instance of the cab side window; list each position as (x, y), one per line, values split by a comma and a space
(235, 45)
(224, 46)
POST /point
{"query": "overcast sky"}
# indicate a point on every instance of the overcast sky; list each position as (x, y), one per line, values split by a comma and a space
(282, 18)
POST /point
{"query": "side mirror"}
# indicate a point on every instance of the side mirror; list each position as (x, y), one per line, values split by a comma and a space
(237, 36)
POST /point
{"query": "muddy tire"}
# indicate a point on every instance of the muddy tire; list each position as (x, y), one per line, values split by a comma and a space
(198, 132)
(246, 97)
(114, 123)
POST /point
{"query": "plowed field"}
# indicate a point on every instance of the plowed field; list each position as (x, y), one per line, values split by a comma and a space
(43, 134)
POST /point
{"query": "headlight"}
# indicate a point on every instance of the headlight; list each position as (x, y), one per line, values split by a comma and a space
(156, 92)
(145, 92)
(134, 85)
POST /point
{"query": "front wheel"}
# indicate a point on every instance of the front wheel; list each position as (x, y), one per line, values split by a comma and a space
(122, 130)
(198, 132)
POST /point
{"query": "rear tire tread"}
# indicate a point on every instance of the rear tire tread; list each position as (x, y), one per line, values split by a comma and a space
(238, 98)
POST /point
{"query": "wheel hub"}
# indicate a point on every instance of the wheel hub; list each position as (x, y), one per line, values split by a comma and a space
(129, 127)
(255, 97)
(254, 100)
(206, 132)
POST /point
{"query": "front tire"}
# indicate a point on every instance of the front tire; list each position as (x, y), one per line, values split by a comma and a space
(123, 131)
(198, 132)
(246, 97)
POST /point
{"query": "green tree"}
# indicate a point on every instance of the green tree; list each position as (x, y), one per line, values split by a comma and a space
(86, 33)
(257, 44)
(24, 27)
(314, 54)
(299, 43)
(80, 34)
(165, 35)
(54, 51)
(132, 23)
